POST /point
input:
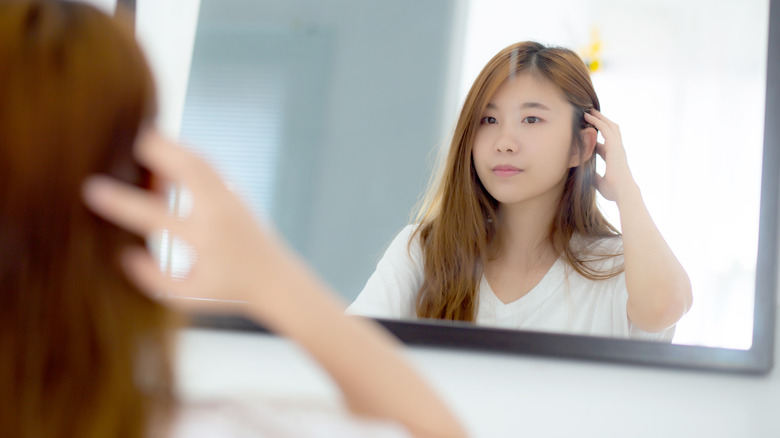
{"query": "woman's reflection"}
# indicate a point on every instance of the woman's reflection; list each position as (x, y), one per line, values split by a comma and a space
(511, 235)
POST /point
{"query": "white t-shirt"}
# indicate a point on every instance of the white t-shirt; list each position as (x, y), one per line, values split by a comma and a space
(563, 302)
(259, 419)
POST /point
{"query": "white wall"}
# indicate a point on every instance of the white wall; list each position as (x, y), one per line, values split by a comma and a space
(166, 31)
(499, 395)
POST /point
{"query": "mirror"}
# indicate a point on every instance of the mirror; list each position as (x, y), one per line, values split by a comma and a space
(328, 117)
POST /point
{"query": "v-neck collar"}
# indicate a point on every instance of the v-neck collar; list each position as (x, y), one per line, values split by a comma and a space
(534, 295)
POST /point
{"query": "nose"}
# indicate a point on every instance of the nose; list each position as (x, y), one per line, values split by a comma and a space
(507, 140)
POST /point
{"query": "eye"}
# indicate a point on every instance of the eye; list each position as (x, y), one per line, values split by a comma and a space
(488, 121)
(532, 120)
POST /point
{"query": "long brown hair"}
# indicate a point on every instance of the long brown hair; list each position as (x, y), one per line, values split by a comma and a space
(457, 221)
(82, 352)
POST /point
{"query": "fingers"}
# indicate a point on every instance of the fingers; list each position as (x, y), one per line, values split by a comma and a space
(129, 207)
(600, 124)
(144, 271)
(595, 114)
(175, 163)
(604, 125)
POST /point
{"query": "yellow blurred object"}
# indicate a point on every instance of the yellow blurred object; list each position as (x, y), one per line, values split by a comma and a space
(591, 54)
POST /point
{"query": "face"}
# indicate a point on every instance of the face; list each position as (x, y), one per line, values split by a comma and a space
(523, 146)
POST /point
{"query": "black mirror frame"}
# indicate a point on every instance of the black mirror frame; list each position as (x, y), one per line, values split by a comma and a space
(757, 360)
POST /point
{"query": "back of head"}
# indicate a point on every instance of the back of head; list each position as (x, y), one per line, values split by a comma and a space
(83, 352)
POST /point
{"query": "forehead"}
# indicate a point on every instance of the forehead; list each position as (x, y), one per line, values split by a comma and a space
(527, 87)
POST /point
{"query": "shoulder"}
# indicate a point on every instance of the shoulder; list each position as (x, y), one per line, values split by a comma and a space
(391, 290)
(411, 233)
(406, 243)
(407, 232)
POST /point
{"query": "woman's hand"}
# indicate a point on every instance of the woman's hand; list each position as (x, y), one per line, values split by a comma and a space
(659, 291)
(239, 261)
(617, 179)
(233, 252)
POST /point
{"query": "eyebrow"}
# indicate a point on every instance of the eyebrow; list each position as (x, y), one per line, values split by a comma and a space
(525, 105)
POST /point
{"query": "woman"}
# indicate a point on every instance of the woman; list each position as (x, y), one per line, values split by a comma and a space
(512, 235)
(87, 353)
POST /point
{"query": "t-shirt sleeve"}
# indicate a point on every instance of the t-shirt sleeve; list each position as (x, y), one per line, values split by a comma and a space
(237, 419)
(662, 336)
(391, 290)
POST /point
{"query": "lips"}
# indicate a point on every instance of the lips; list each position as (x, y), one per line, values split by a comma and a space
(506, 170)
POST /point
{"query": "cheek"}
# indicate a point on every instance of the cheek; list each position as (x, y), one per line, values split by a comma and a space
(480, 148)
(478, 158)
(481, 174)
(561, 143)
(481, 139)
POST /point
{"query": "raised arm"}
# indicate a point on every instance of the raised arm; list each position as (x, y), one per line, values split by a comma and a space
(659, 291)
(240, 262)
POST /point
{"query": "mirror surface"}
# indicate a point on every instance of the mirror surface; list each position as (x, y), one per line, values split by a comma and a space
(329, 116)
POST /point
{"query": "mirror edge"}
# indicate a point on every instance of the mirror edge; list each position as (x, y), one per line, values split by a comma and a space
(757, 360)
(765, 306)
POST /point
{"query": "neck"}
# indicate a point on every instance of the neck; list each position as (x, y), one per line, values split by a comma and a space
(523, 229)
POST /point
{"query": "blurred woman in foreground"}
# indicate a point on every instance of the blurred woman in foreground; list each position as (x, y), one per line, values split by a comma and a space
(87, 352)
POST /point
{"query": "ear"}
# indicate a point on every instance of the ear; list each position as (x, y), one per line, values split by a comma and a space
(588, 136)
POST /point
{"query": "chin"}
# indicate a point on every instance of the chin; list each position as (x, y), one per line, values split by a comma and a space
(505, 198)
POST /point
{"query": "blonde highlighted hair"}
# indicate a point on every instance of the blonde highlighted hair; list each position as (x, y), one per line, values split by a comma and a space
(82, 352)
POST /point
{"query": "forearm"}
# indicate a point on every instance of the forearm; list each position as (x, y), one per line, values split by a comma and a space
(659, 291)
(363, 360)
(238, 261)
